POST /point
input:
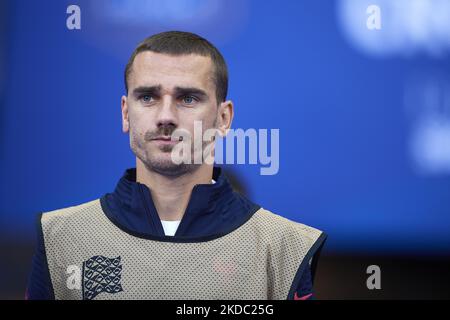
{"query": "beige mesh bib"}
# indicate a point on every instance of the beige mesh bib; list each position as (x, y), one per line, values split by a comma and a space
(258, 260)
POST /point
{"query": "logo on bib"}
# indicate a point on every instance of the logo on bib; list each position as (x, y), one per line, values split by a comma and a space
(101, 274)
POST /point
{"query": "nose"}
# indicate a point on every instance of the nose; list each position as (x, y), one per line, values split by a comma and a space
(167, 113)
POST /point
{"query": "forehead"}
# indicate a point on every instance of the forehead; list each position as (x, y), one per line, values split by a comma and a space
(151, 68)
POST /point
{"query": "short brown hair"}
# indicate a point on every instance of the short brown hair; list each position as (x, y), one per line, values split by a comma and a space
(180, 43)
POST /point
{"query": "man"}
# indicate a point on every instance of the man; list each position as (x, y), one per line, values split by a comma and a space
(171, 229)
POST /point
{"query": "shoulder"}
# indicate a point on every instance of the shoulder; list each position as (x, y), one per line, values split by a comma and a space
(277, 225)
(81, 213)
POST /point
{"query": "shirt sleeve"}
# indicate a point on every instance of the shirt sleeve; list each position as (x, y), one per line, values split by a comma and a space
(39, 282)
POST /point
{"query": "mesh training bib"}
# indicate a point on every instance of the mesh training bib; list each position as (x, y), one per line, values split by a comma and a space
(89, 257)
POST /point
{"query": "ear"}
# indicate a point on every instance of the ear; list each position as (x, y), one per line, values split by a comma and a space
(225, 117)
(125, 121)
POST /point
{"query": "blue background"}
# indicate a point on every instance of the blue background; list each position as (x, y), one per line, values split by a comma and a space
(345, 167)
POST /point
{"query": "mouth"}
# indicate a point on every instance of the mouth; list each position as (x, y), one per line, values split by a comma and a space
(165, 140)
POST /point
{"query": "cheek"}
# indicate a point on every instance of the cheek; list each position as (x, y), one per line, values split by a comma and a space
(137, 123)
(206, 117)
(210, 121)
(142, 120)
(136, 134)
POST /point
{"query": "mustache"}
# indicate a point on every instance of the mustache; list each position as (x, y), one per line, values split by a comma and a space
(166, 130)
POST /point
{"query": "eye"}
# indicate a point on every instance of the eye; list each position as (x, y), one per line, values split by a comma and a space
(189, 99)
(146, 98)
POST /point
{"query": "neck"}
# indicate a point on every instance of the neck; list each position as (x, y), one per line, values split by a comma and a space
(171, 194)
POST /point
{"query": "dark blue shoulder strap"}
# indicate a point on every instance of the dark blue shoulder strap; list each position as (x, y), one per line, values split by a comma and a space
(39, 281)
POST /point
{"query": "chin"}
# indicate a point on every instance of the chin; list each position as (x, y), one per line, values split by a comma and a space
(172, 170)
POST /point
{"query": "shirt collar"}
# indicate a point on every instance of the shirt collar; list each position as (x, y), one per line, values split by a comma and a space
(213, 209)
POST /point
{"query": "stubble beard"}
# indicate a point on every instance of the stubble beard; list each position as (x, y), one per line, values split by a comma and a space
(163, 164)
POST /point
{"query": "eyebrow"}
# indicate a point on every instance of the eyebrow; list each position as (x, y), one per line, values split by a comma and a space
(155, 90)
(182, 91)
(179, 91)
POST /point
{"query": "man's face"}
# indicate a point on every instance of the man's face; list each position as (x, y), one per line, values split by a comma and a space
(166, 93)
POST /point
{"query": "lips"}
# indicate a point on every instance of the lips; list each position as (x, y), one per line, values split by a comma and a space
(163, 138)
(166, 138)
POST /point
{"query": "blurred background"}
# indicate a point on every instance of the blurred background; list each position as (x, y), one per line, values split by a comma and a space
(362, 104)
